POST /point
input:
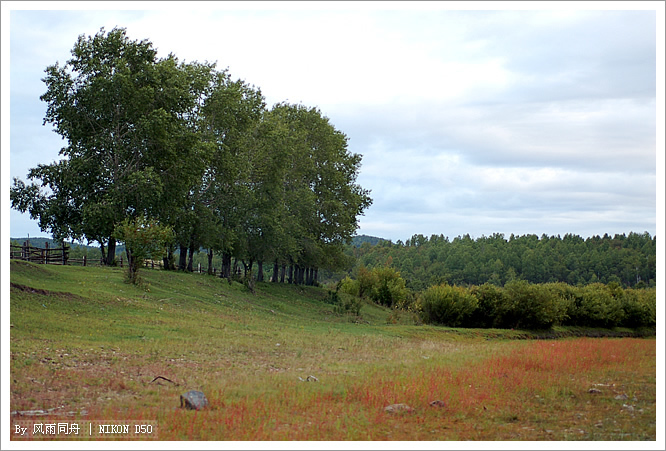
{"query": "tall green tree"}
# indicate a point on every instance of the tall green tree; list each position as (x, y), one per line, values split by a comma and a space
(125, 117)
(230, 114)
(321, 192)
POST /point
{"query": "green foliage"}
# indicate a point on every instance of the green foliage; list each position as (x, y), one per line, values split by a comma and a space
(627, 259)
(490, 299)
(198, 151)
(349, 286)
(530, 306)
(344, 303)
(597, 305)
(144, 238)
(448, 305)
(640, 307)
(382, 285)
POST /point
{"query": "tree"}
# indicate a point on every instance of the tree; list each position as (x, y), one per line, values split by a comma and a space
(230, 116)
(143, 238)
(322, 198)
(125, 116)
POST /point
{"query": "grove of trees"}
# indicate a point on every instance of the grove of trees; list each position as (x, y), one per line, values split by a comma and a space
(183, 146)
(628, 260)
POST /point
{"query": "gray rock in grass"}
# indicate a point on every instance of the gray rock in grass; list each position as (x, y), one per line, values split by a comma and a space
(398, 408)
(193, 400)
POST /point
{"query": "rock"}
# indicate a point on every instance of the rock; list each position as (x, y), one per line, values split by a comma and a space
(398, 408)
(437, 403)
(622, 397)
(594, 391)
(193, 400)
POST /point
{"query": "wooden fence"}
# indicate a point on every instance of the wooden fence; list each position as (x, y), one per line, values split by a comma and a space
(60, 256)
(45, 255)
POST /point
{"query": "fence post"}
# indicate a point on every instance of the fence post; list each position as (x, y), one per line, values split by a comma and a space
(26, 250)
(84, 260)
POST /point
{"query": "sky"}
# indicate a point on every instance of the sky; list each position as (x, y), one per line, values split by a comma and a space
(471, 117)
(530, 118)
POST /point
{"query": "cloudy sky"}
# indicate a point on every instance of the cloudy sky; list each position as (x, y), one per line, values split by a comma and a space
(546, 120)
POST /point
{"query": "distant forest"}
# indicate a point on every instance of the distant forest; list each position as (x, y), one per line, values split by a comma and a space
(629, 260)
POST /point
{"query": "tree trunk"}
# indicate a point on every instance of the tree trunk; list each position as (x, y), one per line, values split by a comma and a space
(132, 266)
(190, 259)
(210, 262)
(315, 275)
(260, 271)
(182, 259)
(276, 269)
(283, 270)
(290, 277)
(111, 252)
(101, 246)
(225, 271)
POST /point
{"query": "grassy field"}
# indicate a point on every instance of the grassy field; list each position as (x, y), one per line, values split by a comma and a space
(90, 346)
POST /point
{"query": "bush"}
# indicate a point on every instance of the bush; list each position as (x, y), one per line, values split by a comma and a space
(389, 289)
(348, 286)
(530, 306)
(565, 294)
(598, 305)
(347, 304)
(490, 298)
(640, 308)
(448, 305)
(383, 286)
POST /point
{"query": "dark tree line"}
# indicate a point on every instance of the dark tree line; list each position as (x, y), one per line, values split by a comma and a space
(629, 260)
(183, 145)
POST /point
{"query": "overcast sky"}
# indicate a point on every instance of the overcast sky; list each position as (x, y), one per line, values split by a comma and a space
(469, 121)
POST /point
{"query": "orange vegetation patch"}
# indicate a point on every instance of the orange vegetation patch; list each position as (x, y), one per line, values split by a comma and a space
(573, 389)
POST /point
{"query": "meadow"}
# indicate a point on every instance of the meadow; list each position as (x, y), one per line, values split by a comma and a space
(90, 347)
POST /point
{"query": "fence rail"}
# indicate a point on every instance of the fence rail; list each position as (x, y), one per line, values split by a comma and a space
(45, 255)
(60, 256)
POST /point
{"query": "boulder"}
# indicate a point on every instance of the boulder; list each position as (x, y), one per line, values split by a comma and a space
(398, 408)
(193, 400)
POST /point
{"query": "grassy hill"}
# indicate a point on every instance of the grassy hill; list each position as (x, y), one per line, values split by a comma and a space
(92, 347)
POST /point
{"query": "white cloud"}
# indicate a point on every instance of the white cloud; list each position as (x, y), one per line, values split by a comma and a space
(468, 121)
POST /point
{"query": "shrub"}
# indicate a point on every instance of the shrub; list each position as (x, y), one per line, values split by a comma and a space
(447, 305)
(565, 294)
(490, 298)
(598, 305)
(383, 286)
(348, 286)
(143, 238)
(640, 307)
(347, 304)
(389, 289)
(530, 306)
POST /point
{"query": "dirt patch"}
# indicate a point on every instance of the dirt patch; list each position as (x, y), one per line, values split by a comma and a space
(32, 290)
(39, 291)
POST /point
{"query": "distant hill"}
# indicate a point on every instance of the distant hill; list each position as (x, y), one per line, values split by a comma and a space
(358, 240)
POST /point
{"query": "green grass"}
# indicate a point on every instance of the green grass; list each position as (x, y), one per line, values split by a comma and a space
(84, 339)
